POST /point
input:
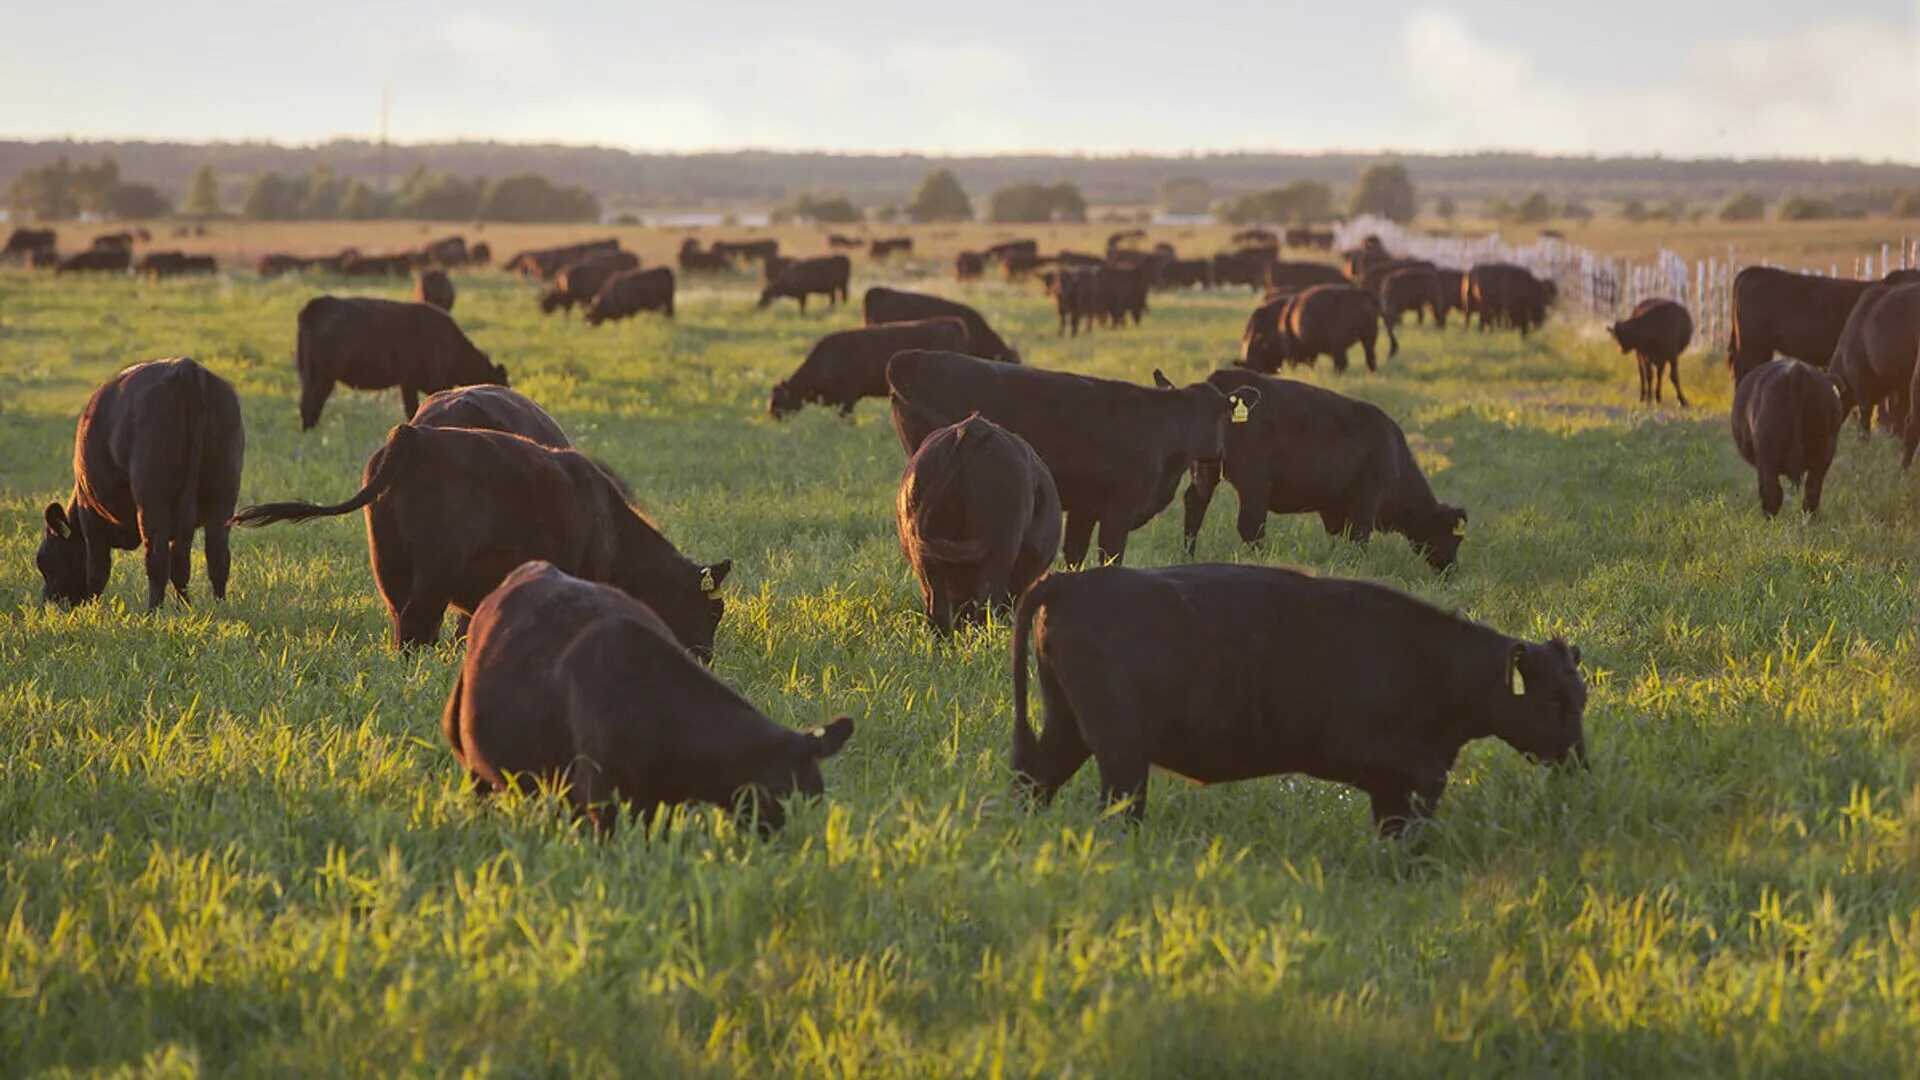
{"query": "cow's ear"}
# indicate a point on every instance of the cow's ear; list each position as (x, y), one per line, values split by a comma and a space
(828, 741)
(1516, 680)
(57, 522)
(501, 370)
(1160, 380)
(712, 577)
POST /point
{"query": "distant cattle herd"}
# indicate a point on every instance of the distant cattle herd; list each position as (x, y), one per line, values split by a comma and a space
(586, 626)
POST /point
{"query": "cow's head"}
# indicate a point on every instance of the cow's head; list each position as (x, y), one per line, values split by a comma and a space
(1542, 702)
(692, 606)
(768, 295)
(1439, 534)
(62, 560)
(552, 300)
(785, 766)
(783, 402)
(1617, 339)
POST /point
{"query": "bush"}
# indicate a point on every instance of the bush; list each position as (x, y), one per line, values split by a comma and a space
(1746, 206)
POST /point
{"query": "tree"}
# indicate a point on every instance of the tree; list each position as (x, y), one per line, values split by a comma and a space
(203, 195)
(137, 201)
(1907, 204)
(1498, 208)
(1576, 211)
(1806, 208)
(1068, 203)
(272, 197)
(439, 197)
(1746, 206)
(1533, 209)
(321, 200)
(825, 210)
(940, 198)
(1029, 202)
(532, 197)
(1301, 202)
(93, 186)
(1445, 208)
(1634, 210)
(1185, 195)
(362, 203)
(43, 194)
(1385, 190)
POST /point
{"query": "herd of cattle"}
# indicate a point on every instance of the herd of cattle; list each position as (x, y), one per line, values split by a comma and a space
(587, 628)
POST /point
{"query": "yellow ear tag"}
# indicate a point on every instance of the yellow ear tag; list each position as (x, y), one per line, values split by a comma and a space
(1240, 411)
(1460, 527)
(706, 581)
(1519, 682)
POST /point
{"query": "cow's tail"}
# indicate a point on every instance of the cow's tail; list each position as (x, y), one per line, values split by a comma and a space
(188, 510)
(385, 467)
(947, 475)
(1025, 742)
(1798, 400)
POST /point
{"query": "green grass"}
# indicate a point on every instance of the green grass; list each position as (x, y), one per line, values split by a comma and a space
(231, 840)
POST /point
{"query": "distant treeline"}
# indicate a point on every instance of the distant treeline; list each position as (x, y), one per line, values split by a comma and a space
(622, 179)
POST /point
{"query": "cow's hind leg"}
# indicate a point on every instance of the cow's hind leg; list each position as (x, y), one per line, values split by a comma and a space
(219, 552)
(1673, 372)
(1042, 767)
(180, 564)
(410, 400)
(1079, 534)
(1401, 803)
(156, 536)
(1810, 490)
(1771, 495)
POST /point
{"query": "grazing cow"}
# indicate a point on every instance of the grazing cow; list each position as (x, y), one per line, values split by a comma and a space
(1451, 284)
(979, 520)
(969, 266)
(1412, 289)
(120, 241)
(1373, 274)
(1796, 315)
(433, 286)
(1184, 273)
(579, 282)
(1656, 334)
(491, 408)
(1005, 248)
(884, 305)
(1234, 672)
(395, 264)
(1504, 295)
(1298, 449)
(451, 511)
(844, 367)
(1263, 344)
(480, 254)
(630, 292)
(1256, 239)
(101, 260)
(277, 263)
(894, 245)
(1301, 275)
(1327, 320)
(824, 274)
(157, 456)
(1019, 265)
(1247, 268)
(1786, 423)
(748, 250)
(1116, 450)
(773, 266)
(444, 252)
(838, 242)
(1875, 358)
(545, 262)
(24, 243)
(371, 344)
(578, 686)
(1076, 296)
(692, 260)
(165, 264)
(1119, 292)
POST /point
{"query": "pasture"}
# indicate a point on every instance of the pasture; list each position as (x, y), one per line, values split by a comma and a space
(232, 839)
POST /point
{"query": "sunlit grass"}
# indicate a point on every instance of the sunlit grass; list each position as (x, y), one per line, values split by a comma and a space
(233, 840)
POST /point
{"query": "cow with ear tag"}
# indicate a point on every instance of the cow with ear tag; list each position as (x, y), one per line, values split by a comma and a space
(578, 686)
(1235, 672)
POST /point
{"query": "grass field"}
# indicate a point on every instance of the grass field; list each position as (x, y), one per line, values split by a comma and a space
(232, 841)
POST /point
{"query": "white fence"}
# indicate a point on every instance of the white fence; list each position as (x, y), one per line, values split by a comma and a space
(1606, 288)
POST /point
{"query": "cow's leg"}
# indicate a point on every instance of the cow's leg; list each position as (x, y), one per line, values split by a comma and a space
(462, 622)
(410, 400)
(1339, 360)
(1647, 391)
(1253, 491)
(156, 536)
(180, 564)
(1204, 479)
(1079, 534)
(419, 618)
(219, 553)
(938, 595)
(803, 303)
(1401, 803)
(1367, 346)
(1114, 528)
(1673, 372)
(1770, 494)
(1866, 419)
(1810, 489)
(1041, 769)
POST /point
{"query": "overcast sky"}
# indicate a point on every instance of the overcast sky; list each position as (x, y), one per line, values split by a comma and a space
(1819, 78)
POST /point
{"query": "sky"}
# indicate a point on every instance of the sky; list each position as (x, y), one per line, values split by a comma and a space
(1824, 79)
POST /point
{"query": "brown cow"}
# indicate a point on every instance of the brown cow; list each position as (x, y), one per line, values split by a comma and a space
(1874, 360)
(1076, 296)
(1116, 450)
(277, 263)
(692, 260)
(1221, 673)
(1298, 449)
(979, 520)
(1263, 344)
(844, 367)
(1786, 423)
(1120, 291)
(630, 292)
(433, 286)
(24, 243)
(882, 247)
(824, 274)
(1414, 289)
(480, 254)
(1019, 265)
(371, 344)
(969, 266)
(156, 456)
(1505, 295)
(491, 408)
(165, 264)
(580, 281)
(839, 242)
(451, 511)
(747, 250)
(1005, 248)
(1327, 320)
(1656, 334)
(884, 305)
(97, 260)
(1797, 315)
(576, 686)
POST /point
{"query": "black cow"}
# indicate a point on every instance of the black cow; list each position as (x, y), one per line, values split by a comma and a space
(1327, 320)
(575, 685)
(824, 274)
(884, 305)
(1656, 334)
(968, 266)
(630, 292)
(96, 260)
(451, 512)
(491, 408)
(1228, 673)
(156, 456)
(1298, 449)
(432, 286)
(1116, 450)
(1875, 360)
(1797, 315)
(1076, 296)
(844, 367)
(1119, 292)
(979, 520)
(1786, 423)
(578, 282)
(371, 344)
